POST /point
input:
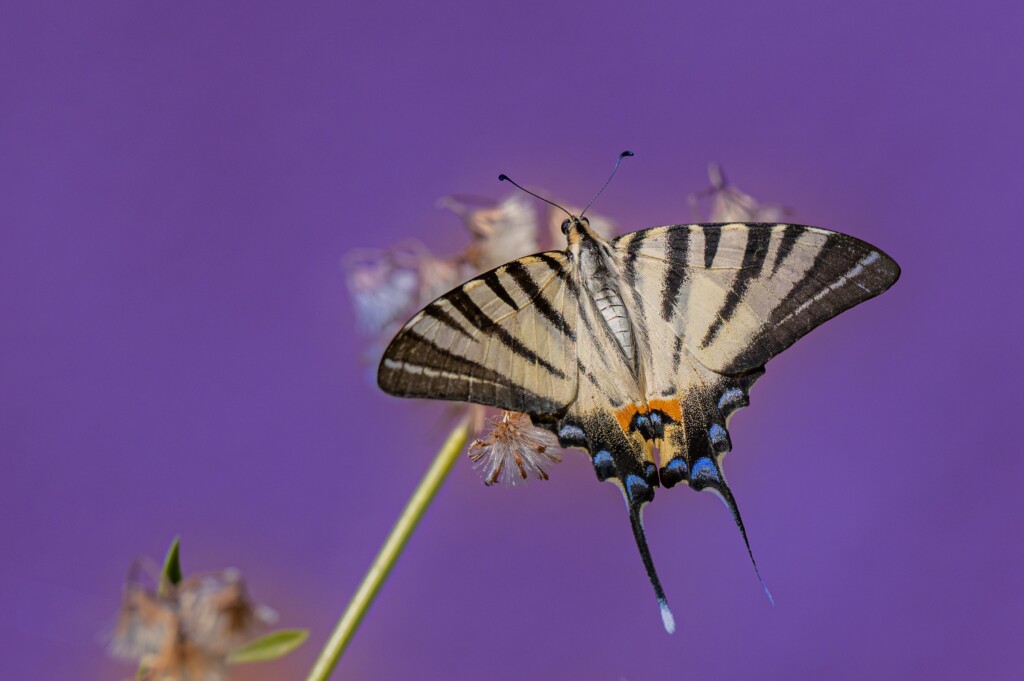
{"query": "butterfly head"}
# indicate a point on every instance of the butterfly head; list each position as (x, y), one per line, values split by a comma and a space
(572, 222)
(584, 243)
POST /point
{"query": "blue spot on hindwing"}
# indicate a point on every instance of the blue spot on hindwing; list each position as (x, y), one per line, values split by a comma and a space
(704, 470)
(677, 465)
(642, 423)
(604, 464)
(636, 488)
(657, 424)
(733, 397)
(674, 472)
(719, 438)
(571, 435)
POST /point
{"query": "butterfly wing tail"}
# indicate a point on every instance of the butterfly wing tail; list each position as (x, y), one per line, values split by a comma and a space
(692, 450)
(707, 476)
(637, 523)
(620, 458)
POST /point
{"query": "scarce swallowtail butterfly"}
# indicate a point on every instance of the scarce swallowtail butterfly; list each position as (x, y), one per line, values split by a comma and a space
(636, 349)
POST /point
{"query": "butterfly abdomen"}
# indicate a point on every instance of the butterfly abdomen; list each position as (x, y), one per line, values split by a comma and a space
(609, 304)
(598, 270)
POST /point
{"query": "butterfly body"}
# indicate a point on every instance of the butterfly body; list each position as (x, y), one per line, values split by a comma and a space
(638, 349)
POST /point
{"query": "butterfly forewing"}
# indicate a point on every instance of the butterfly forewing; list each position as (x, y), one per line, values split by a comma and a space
(740, 294)
(503, 339)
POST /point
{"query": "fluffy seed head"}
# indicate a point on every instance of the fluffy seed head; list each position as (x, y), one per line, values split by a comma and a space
(514, 450)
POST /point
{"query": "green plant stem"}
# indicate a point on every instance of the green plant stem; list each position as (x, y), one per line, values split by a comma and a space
(389, 553)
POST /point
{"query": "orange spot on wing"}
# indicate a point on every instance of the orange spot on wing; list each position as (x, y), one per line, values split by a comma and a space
(625, 415)
(670, 408)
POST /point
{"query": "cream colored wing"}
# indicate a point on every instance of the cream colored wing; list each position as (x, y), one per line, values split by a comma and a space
(739, 294)
(504, 339)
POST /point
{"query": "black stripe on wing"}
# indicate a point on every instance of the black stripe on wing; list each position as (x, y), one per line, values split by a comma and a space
(521, 275)
(845, 272)
(503, 339)
(712, 236)
(753, 261)
(677, 249)
(493, 282)
(417, 367)
(789, 238)
(472, 312)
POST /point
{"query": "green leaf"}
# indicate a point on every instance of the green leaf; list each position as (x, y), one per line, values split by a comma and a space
(270, 647)
(171, 573)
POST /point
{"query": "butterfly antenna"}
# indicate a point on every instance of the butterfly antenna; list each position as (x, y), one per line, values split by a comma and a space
(725, 494)
(617, 162)
(635, 519)
(505, 178)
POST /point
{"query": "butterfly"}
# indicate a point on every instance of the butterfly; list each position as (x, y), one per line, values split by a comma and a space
(637, 349)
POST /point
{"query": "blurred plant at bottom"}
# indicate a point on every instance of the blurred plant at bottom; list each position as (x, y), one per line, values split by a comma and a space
(193, 628)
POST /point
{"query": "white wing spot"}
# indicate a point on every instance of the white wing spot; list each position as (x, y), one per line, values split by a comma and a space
(666, 617)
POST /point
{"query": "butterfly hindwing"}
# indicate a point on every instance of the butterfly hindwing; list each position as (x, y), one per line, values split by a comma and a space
(504, 339)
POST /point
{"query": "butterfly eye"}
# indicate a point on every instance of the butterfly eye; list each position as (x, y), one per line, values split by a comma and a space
(565, 226)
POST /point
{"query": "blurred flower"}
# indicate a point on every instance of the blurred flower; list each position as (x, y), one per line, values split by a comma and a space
(514, 450)
(216, 611)
(183, 661)
(500, 233)
(185, 631)
(729, 204)
(146, 624)
(388, 286)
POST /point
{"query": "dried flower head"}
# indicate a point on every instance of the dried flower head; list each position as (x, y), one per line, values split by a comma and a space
(184, 632)
(514, 450)
(501, 232)
(184, 661)
(729, 204)
(216, 612)
(146, 624)
(387, 286)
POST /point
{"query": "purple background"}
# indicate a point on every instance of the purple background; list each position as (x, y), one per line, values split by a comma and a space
(179, 182)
